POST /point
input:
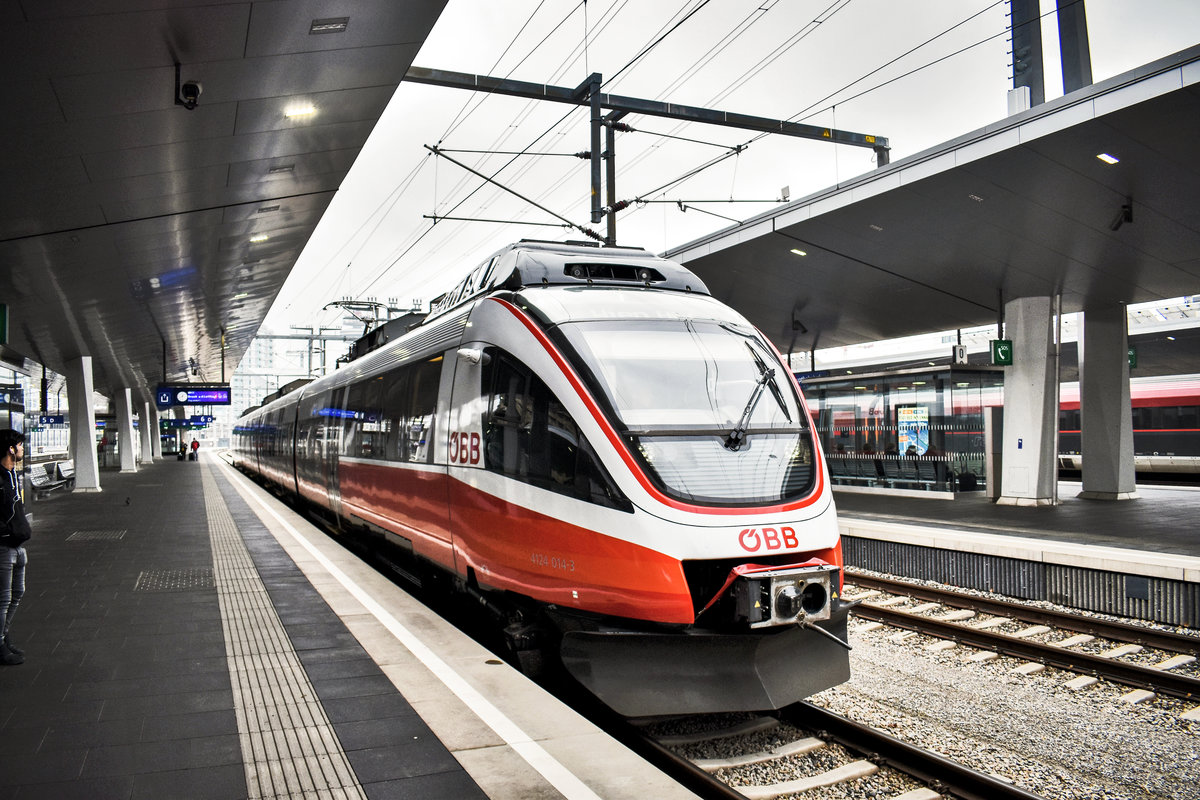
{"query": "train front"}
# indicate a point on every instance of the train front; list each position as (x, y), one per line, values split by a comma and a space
(709, 439)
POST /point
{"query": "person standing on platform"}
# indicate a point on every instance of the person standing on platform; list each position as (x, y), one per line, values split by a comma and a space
(195, 450)
(14, 532)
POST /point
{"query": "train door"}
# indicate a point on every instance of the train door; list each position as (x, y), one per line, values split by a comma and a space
(464, 431)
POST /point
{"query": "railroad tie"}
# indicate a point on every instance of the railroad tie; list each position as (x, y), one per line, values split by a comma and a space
(1175, 661)
(1079, 638)
(798, 747)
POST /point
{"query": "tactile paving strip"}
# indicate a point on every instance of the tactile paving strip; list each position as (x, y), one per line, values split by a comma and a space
(97, 536)
(288, 745)
(174, 580)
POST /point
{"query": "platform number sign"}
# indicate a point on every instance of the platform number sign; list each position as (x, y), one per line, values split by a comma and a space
(1002, 352)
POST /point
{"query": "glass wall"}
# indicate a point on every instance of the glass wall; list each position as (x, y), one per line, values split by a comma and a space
(915, 429)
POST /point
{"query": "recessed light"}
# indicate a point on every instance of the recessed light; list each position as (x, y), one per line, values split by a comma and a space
(799, 252)
(1107, 159)
(331, 25)
(281, 168)
(241, 296)
(976, 198)
(268, 209)
(300, 111)
(876, 227)
(259, 237)
(1170, 338)
(861, 388)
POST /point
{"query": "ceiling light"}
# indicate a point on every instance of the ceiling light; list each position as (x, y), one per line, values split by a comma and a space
(268, 209)
(918, 383)
(1107, 159)
(241, 296)
(259, 237)
(300, 111)
(976, 198)
(281, 168)
(1170, 338)
(332, 25)
(861, 388)
(799, 252)
(876, 227)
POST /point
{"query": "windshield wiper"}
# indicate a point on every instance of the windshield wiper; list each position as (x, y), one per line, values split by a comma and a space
(766, 377)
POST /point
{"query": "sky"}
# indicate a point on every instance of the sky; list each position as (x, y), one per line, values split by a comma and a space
(918, 73)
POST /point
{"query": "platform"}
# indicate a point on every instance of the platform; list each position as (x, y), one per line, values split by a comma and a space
(1137, 558)
(188, 636)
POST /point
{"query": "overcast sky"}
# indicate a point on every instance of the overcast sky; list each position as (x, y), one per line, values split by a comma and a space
(918, 73)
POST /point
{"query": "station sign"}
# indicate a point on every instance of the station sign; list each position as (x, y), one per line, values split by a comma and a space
(192, 394)
(202, 419)
(1002, 352)
(52, 419)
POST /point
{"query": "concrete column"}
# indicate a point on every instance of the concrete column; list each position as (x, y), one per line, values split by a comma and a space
(1030, 472)
(147, 430)
(1105, 409)
(83, 424)
(126, 438)
(156, 436)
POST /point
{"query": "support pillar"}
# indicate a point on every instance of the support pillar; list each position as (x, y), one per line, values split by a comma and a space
(1030, 475)
(1106, 414)
(126, 438)
(156, 435)
(83, 424)
(146, 429)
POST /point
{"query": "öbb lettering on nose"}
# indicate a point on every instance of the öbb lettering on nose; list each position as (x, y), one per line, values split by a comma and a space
(771, 538)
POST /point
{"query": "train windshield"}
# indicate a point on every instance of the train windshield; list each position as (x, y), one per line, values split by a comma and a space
(707, 407)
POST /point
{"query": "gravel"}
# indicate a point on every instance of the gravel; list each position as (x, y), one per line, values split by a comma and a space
(1056, 742)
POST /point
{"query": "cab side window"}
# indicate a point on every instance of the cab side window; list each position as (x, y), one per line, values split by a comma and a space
(530, 436)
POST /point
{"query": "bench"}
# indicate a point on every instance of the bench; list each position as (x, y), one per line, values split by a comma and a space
(66, 472)
(43, 484)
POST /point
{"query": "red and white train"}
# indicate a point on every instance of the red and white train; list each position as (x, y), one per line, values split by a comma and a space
(615, 463)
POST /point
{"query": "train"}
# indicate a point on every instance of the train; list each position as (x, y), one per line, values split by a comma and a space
(1166, 425)
(617, 466)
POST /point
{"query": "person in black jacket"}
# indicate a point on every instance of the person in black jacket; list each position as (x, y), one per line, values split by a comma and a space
(14, 532)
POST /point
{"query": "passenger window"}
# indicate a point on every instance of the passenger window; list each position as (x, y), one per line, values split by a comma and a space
(407, 410)
(365, 426)
(530, 436)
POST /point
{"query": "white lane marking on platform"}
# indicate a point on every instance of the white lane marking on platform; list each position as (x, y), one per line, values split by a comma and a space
(549, 767)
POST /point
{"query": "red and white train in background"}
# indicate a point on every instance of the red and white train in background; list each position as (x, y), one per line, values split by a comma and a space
(612, 461)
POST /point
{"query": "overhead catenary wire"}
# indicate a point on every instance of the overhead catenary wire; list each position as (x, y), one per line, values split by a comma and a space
(658, 40)
(810, 112)
(694, 171)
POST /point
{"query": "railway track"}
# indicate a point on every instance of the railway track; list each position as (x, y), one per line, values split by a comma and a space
(960, 626)
(804, 748)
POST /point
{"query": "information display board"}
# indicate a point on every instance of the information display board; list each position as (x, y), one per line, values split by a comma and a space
(192, 394)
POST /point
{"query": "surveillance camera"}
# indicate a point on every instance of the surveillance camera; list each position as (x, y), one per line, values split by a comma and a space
(189, 93)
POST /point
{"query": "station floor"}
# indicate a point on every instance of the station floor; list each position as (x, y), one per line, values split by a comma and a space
(187, 636)
(1155, 533)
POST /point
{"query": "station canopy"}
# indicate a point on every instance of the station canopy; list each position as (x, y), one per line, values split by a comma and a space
(942, 239)
(134, 230)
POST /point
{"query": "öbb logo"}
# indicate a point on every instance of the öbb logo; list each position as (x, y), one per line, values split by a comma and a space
(752, 541)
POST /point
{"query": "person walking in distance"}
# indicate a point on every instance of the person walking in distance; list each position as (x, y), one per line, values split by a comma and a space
(14, 532)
